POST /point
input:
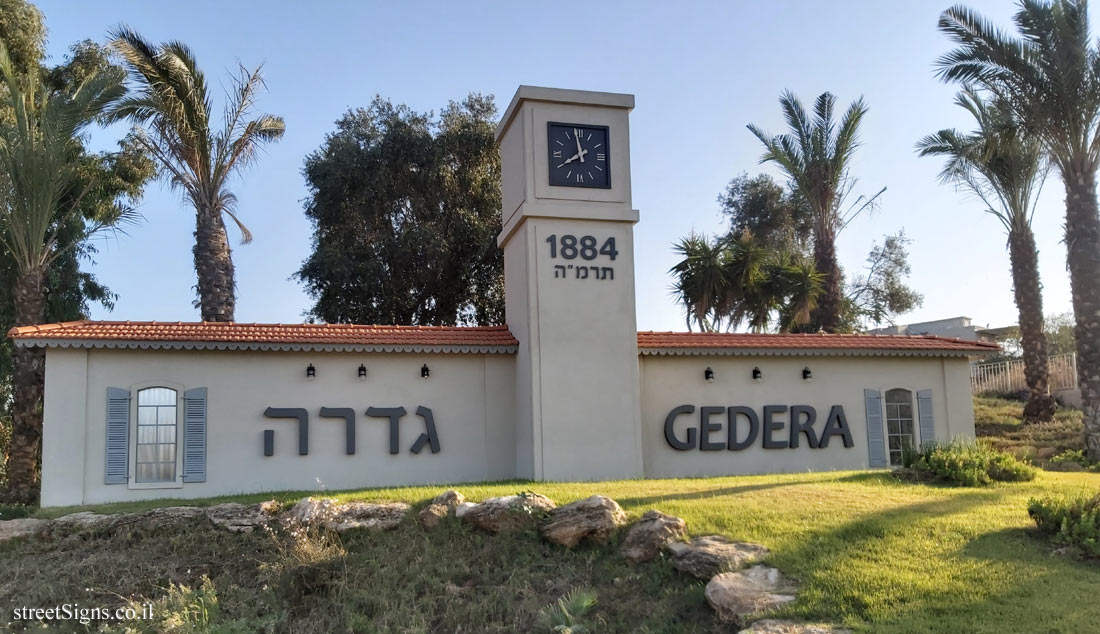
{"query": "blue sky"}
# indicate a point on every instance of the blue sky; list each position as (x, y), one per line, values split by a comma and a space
(700, 72)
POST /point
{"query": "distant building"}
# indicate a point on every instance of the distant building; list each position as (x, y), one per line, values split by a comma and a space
(955, 327)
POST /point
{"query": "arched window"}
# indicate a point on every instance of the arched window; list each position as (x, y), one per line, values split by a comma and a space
(156, 435)
(899, 423)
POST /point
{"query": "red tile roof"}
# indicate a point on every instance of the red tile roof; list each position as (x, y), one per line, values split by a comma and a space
(450, 338)
(234, 335)
(683, 342)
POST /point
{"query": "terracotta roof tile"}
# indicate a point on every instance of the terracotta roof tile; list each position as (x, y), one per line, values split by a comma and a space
(242, 333)
(810, 341)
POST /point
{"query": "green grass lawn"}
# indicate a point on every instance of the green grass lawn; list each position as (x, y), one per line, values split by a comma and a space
(1000, 421)
(872, 553)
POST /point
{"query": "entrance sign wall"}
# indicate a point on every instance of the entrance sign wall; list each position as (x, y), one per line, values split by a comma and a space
(568, 390)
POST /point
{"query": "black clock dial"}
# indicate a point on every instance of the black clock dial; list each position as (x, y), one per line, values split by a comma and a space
(578, 155)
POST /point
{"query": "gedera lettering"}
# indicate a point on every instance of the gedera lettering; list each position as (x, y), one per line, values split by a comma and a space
(707, 437)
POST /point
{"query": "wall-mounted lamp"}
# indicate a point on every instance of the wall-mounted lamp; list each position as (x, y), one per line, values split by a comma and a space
(708, 374)
(362, 372)
(807, 375)
(757, 375)
(424, 371)
(311, 372)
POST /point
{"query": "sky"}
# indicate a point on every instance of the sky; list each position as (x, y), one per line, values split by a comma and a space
(700, 72)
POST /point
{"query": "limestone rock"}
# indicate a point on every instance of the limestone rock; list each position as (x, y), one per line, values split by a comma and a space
(84, 521)
(464, 508)
(777, 626)
(430, 516)
(238, 518)
(168, 516)
(312, 510)
(449, 498)
(365, 515)
(22, 527)
(649, 535)
(441, 506)
(594, 518)
(709, 555)
(738, 595)
(508, 513)
(330, 514)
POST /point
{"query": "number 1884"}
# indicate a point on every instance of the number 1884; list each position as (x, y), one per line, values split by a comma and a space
(570, 246)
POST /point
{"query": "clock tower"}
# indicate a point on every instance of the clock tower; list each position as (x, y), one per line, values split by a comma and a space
(568, 240)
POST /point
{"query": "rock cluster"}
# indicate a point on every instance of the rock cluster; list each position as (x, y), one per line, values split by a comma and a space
(736, 593)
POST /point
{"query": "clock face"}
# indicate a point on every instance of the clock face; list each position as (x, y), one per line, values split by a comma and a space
(578, 155)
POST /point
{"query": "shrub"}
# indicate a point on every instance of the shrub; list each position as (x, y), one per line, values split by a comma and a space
(564, 615)
(966, 463)
(1069, 520)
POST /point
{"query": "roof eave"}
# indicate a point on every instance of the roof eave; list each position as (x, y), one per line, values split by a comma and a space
(44, 342)
(811, 352)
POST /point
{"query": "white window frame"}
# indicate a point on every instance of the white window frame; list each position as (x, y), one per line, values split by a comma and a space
(135, 389)
(914, 423)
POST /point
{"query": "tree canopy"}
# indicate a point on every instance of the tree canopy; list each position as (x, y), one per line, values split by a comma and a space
(406, 210)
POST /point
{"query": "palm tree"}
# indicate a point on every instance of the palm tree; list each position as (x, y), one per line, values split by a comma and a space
(737, 282)
(816, 155)
(39, 198)
(1005, 168)
(700, 282)
(1050, 77)
(173, 101)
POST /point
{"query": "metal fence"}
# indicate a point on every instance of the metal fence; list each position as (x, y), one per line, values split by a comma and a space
(1008, 376)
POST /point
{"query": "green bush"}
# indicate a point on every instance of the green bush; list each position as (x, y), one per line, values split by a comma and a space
(1069, 521)
(966, 464)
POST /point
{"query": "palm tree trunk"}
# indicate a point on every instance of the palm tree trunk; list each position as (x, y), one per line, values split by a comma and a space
(28, 376)
(214, 266)
(1029, 302)
(827, 313)
(1083, 257)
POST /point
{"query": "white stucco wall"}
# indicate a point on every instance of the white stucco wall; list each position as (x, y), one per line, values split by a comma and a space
(471, 397)
(671, 381)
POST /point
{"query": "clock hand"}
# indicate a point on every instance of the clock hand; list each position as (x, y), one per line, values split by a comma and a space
(570, 160)
(577, 138)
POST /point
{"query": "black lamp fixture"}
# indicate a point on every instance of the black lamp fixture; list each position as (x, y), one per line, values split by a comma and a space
(757, 375)
(425, 371)
(311, 372)
(708, 374)
(807, 375)
(362, 372)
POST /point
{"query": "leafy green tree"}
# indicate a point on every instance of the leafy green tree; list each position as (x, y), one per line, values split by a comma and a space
(1049, 75)
(879, 291)
(778, 217)
(40, 156)
(171, 99)
(1005, 168)
(406, 211)
(816, 155)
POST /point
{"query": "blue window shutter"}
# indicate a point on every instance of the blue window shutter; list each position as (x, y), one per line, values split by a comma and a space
(876, 444)
(194, 435)
(118, 436)
(924, 413)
